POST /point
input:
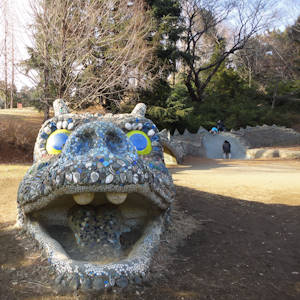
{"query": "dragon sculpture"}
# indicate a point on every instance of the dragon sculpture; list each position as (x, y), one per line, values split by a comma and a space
(97, 196)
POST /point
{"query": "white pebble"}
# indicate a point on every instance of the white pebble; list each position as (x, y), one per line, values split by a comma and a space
(109, 178)
(135, 178)
(47, 130)
(151, 132)
(94, 176)
(69, 177)
(76, 177)
(59, 125)
(70, 126)
(88, 164)
(128, 126)
(65, 124)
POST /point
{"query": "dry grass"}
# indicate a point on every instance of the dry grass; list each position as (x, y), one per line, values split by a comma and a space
(10, 178)
(18, 131)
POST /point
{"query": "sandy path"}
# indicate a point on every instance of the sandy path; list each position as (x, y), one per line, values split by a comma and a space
(267, 181)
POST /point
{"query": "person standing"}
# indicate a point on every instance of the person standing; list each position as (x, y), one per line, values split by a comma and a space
(226, 150)
(220, 126)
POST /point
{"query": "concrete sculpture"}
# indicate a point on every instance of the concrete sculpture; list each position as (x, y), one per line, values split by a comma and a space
(247, 143)
(97, 196)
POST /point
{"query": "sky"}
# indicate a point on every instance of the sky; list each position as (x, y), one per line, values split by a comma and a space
(288, 12)
(20, 18)
(18, 12)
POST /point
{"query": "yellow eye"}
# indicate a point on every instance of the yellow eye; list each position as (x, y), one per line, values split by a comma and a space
(56, 141)
(141, 141)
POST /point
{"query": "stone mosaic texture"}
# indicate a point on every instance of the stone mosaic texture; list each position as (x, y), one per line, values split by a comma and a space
(97, 196)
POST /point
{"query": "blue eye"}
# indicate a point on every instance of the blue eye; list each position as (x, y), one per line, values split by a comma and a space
(141, 141)
(56, 141)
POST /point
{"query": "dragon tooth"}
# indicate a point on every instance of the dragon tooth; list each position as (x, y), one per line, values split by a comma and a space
(116, 198)
(83, 198)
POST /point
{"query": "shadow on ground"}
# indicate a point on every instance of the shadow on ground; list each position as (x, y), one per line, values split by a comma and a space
(200, 163)
(216, 248)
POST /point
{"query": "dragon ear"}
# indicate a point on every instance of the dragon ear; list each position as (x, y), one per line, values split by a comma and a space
(60, 107)
(139, 110)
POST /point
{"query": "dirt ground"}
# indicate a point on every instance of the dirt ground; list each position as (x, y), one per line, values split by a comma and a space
(235, 235)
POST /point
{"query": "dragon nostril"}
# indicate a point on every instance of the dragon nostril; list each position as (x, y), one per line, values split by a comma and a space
(114, 142)
(98, 139)
(84, 142)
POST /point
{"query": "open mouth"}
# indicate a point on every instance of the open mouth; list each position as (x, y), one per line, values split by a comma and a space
(96, 239)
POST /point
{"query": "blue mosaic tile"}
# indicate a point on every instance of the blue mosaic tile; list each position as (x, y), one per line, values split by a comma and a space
(105, 163)
(156, 148)
(44, 136)
(53, 126)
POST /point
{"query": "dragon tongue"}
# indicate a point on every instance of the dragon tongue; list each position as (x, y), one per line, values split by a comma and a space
(83, 198)
(116, 198)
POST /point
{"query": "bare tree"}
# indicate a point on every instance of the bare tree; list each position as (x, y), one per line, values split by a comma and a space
(278, 65)
(248, 60)
(271, 60)
(4, 10)
(7, 47)
(205, 46)
(87, 51)
(294, 31)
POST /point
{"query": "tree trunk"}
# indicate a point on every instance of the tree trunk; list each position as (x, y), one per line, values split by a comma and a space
(188, 83)
(5, 62)
(46, 90)
(12, 72)
(274, 99)
(250, 78)
(46, 93)
(46, 112)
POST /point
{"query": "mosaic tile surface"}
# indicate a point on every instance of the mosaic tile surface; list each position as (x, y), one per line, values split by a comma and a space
(97, 196)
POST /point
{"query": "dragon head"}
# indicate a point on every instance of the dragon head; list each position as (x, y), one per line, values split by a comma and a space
(97, 196)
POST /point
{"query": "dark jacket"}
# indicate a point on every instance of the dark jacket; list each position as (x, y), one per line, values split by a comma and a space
(220, 125)
(226, 147)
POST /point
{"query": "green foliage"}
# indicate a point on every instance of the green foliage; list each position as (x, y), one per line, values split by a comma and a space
(176, 111)
(166, 14)
(29, 97)
(228, 98)
(167, 107)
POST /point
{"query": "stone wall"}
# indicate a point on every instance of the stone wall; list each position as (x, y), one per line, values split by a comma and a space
(204, 144)
(268, 136)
